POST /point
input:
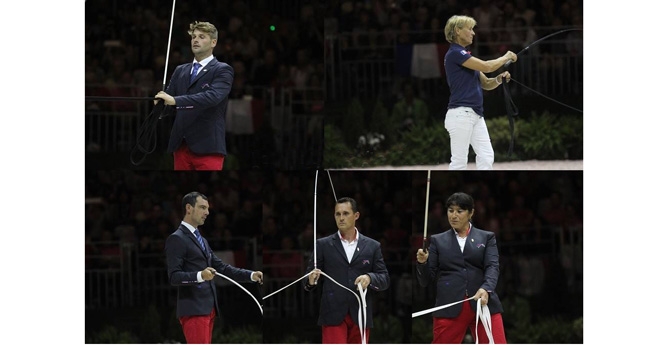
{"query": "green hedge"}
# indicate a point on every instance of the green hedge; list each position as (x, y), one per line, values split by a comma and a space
(537, 137)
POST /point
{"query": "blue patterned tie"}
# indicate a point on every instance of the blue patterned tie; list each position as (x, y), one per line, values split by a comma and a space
(200, 240)
(196, 67)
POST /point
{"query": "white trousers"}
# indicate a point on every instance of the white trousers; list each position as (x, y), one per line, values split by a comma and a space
(467, 128)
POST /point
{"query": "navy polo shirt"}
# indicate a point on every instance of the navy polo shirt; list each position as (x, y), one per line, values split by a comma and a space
(464, 85)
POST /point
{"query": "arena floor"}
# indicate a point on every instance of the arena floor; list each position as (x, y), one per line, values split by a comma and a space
(522, 165)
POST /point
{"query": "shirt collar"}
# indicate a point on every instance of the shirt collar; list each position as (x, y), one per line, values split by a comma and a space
(357, 235)
(190, 227)
(205, 61)
(466, 235)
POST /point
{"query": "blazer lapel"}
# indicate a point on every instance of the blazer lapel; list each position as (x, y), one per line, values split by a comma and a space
(469, 242)
(336, 242)
(453, 242)
(202, 71)
(360, 249)
(192, 237)
(475, 240)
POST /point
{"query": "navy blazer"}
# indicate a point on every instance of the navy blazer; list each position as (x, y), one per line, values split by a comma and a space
(201, 107)
(185, 257)
(457, 274)
(331, 258)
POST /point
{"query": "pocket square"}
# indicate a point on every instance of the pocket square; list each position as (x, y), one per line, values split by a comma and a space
(365, 262)
(205, 86)
(480, 245)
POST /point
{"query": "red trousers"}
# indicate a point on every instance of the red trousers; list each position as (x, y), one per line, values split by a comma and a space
(198, 328)
(347, 332)
(452, 330)
(184, 159)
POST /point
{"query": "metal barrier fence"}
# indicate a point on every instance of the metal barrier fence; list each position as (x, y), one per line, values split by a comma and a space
(560, 246)
(296, 119)
(124, 277)
(128, 278)
(282, 129)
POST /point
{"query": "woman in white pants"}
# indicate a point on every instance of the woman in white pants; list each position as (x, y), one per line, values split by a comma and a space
(465, 76)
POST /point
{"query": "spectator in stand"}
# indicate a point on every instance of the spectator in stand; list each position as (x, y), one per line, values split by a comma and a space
(287, 262)
(265, 70)
(271, 234)
(555, 213)
(521, 216)
(523, 11)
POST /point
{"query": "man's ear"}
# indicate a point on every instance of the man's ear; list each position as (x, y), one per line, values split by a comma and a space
(357, 215)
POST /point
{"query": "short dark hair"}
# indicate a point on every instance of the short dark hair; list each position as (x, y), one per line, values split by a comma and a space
(349, 200)
(191, 198)
(462, 200)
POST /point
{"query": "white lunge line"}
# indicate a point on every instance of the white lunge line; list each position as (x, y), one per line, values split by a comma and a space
(244, 289)
(483, 313)
(362, 301)
(299, 279)
(427, 311)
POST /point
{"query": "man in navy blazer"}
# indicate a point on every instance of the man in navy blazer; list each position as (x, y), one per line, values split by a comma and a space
(191, 266)
(463, 262)
(350, 258)
(200, 91)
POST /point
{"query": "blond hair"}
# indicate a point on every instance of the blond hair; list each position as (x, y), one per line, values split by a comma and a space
(457, 22)
(204, 27)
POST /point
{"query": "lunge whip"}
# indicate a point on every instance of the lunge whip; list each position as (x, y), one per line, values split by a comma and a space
(426, 211)
(511, 108)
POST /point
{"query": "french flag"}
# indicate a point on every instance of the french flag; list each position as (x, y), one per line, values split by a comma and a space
(420, 60)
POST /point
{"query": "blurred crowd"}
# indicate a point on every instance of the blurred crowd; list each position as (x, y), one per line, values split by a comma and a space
(383, 199)
(519, 206)
(140, 209)
(280, 43)
(501, 24)
(268, 43)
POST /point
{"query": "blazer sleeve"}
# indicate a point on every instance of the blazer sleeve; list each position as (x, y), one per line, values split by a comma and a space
(235, 273)
(175, 251)
(219, 90)
(491, 264)
(426, 272)
(176, 75)
(380, 277)
(310, 267)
